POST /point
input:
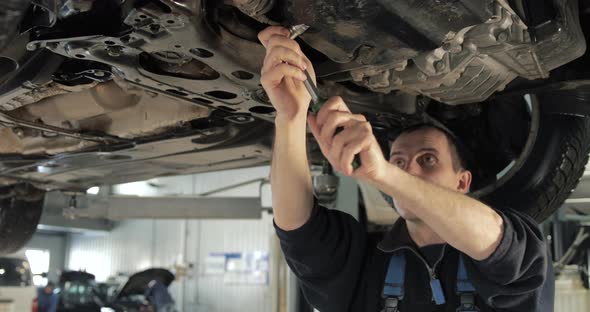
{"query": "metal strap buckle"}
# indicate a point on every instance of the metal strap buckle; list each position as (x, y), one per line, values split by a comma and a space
(390, 305)
(467, 304)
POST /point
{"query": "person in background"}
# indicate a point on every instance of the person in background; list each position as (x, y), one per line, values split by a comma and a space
(46, 298)
(158, 295)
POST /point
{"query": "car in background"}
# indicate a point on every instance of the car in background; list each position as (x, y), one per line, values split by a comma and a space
(78, 292)
(132, 296)
(17, 291)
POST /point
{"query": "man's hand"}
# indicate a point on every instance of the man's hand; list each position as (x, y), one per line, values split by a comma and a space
(342, 135)
(282, 73)
(282, 79)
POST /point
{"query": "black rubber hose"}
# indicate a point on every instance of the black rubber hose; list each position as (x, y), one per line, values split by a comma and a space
(11, 14)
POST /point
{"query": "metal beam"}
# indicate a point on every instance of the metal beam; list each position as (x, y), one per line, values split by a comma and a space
(120, 207)
(53, 217)
(580, 200)
(557, 235)
(578, 205)
(61, 224)
(583, 188)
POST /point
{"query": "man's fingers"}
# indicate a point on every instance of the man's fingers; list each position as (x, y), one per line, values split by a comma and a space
(338, 142)
(265, 35)
(349, 151)
(274, 77)
(279, 54)
(335, 103)
(311, 120)
(335, 120)
(353, 135)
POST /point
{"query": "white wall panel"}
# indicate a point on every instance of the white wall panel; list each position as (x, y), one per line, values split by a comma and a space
(167, 245)
(212, 294)
(168, 249)
(137, 245)
(126, 250)
(56, 244)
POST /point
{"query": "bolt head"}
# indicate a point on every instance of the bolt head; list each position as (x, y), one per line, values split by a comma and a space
(115, 51)
(19, 132)
(32, 46)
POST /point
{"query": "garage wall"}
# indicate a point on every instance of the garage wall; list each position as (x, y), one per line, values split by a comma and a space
(211, 292)
(56, 244)
(126, 249)
(135, 245)
(138, 245)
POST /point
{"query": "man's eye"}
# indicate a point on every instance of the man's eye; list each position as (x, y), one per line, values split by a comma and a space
(429, 160)
(400, 163)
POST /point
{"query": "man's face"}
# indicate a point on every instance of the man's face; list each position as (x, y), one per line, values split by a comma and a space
(426, 153)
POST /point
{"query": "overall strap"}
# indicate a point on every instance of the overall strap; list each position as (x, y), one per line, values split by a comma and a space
(393, 288)
(465, 289)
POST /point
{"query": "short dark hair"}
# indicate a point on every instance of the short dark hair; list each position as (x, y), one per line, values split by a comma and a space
(457, 151)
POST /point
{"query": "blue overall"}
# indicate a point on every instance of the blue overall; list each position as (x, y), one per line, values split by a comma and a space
(393, 289)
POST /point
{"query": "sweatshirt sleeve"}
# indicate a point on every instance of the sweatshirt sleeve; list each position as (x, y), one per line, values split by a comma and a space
(326, 254)
(512, 278)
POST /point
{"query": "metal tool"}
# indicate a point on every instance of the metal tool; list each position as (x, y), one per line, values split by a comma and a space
(316, 100)
(297, 30)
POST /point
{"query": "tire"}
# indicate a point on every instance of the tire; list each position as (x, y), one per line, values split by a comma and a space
(21, 206)
(11, 13)
(553, 169)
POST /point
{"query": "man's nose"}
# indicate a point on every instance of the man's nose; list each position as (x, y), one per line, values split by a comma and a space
(414, 169)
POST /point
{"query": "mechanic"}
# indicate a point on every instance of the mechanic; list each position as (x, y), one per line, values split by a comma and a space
(447, 252)
(47, 299)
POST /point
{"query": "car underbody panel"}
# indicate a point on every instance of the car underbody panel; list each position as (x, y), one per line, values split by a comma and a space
(98, 107)
(454, 52)
(189, 151)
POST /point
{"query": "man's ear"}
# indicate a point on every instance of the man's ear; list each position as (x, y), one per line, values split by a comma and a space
(464, 181)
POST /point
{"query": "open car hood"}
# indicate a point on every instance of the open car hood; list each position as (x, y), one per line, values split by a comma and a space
(138, 282)
(75, 276)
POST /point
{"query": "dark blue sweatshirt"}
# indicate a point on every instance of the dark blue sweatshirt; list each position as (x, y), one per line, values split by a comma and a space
(341, 269)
